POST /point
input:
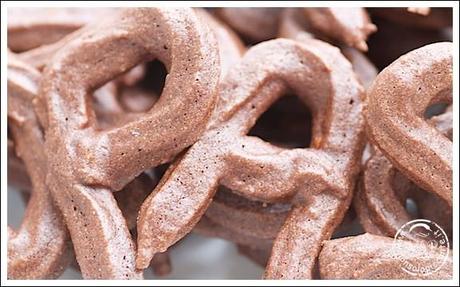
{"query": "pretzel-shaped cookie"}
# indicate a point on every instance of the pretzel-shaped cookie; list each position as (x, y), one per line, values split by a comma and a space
(396, 103)
(256, 169)
(39, 249)
(109, 111)
(380, 201)
(88, 164)
(370, 256)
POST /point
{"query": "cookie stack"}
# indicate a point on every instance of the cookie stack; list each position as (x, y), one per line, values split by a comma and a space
(288, 131)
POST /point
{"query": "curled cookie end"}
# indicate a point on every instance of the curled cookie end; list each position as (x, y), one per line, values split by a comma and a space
(350, 26)
(424, 11)
(362, 46)
(367, 30)
(98, 162)
(358, 39)
(149, 243)
(145, 253)
(146, 247)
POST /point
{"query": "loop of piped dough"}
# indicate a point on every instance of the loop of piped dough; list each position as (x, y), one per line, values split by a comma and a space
(40, 248)
(230, 49)
(367, 257)
(380, 199)
(396, 104)
(350, 26)
(173, 123)
(258, 170)
(87, 163)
